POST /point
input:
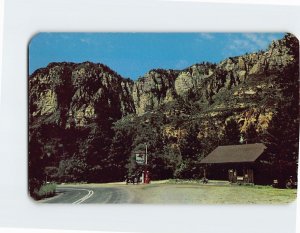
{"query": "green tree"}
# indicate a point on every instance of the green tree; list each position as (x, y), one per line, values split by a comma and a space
(42, 152)
(119, 154)
(251, 135)
(282, 140)
(96, 153)
(191, 150)
(36, 163)
(173, 159)
(72, 169)
(231, 133)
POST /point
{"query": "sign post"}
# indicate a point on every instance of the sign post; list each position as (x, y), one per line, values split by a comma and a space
(146, 172)
(141, 158)
(146, 155)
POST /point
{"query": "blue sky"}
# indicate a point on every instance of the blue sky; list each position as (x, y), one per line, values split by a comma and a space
(133, 54)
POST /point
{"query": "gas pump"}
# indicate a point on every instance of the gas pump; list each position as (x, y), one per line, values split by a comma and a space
(146, 176)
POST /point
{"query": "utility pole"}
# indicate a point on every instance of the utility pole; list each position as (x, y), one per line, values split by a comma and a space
(146, 160)
(145, 172)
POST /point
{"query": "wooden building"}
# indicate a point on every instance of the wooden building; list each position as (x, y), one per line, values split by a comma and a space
(237, 163)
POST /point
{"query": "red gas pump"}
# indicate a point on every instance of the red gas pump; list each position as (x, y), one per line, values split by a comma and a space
(146, 177)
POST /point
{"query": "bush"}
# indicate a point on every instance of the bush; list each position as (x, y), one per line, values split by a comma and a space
(46, 190)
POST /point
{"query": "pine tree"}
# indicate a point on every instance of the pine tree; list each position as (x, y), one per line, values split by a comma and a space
(232, 133)
(190, 146)
(191, 150)
(251, 135)
(119, 153)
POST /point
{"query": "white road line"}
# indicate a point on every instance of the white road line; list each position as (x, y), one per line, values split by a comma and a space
(90, 193)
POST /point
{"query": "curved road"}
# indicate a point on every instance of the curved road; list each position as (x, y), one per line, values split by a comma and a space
(78, 195)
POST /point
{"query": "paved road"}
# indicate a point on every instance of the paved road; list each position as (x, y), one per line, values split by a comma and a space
(85, 194)
(164, 193)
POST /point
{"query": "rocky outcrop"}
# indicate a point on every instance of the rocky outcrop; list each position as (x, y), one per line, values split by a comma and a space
(206, 80)
(154, 89)
(68, 93)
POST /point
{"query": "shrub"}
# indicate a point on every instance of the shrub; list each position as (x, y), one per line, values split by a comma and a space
(46, 190)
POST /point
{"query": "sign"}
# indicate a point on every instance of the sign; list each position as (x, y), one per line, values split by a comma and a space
(140, 157)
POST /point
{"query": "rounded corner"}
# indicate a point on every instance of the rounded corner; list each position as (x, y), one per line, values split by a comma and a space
(32, 38)
(31, 198)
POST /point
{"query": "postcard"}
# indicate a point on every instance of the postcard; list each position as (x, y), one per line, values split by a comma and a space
(163, 118)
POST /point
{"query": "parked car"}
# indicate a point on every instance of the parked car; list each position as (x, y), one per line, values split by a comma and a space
(134, 179)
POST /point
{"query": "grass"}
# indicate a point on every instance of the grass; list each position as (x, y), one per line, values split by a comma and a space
(219, 192)
(195, 181)
(46, 190)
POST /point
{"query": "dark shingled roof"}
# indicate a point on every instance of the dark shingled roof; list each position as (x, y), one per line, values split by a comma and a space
(235, 153)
